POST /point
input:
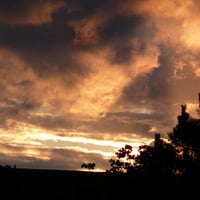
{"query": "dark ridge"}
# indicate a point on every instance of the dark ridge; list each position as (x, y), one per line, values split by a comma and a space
(61, 184)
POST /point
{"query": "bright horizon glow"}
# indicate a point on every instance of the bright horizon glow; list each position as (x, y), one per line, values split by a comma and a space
(32, 140)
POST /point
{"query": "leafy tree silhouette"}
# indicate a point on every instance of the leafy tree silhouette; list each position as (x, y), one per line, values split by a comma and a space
(89, 166)
(157, 159)
(124, 161)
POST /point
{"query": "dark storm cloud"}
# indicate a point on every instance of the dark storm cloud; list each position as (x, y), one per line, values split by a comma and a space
(68, 9)
(154, 91)
(119, 123)
(41, 46)
(16, 111)
(50, 51)
(186, 85)
(166, 83)
(88, 7)
(17, 7)
(101, 69)
(119, 33)
(155, 86)
(49, 48)
(16, 107)
(25, 12)
(113, 123)
(53, 122)
(31, 37)
(172, 82)
(159, 79)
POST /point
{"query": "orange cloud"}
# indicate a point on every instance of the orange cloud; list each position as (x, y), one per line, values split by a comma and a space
(103, 87)
(100, 76)
(155, 9)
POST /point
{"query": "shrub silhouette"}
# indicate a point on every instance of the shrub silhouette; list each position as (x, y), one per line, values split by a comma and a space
(7, 167)
(89, 166)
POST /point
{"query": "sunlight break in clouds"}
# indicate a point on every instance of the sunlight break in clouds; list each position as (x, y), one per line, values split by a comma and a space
(36, 143)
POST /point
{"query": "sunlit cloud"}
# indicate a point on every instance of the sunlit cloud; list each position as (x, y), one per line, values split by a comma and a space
(35, 143)
(83, 78)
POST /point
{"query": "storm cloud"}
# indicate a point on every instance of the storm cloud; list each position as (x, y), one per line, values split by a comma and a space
(94, 70)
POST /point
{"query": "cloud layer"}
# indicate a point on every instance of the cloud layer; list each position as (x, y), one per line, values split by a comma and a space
(100, 70)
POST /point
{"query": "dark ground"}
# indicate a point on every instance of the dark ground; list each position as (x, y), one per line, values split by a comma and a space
(54, 184)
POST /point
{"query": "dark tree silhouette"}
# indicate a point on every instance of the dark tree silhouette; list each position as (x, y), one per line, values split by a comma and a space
(89, 166)
(124, 161)
(179, 154)
(186, 134)
(186, 138)
(7, 167)
(157, 159)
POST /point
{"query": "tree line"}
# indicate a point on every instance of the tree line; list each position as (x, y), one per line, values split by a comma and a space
(179, 154)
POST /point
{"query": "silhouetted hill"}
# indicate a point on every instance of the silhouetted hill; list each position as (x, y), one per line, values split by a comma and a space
(58, 184)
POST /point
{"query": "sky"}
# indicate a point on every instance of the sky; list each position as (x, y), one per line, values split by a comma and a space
(79, 79)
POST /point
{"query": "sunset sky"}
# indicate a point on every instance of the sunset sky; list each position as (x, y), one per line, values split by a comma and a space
(79, 79)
